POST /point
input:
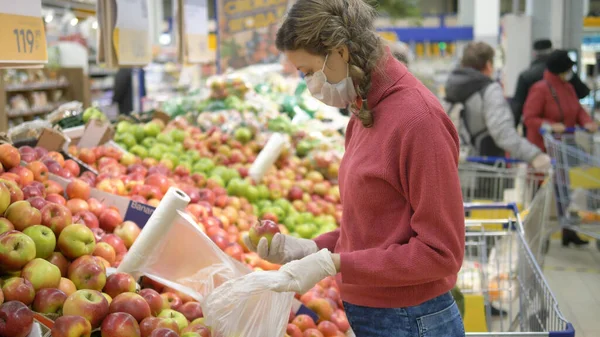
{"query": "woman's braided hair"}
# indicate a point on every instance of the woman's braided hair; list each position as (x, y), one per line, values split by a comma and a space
(320, 26)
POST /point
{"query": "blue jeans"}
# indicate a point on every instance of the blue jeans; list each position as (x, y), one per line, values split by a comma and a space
(438, 317)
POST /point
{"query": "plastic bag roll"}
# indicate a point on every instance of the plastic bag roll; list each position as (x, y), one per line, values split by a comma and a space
(155, 230)
(267, 157)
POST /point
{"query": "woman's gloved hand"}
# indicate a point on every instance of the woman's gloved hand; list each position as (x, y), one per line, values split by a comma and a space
(558, 127)
(541, 162)
(591, 127)
(302, 275)
(283, 249)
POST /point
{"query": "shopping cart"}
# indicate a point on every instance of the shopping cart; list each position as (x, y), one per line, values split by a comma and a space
(497, 179)
(505, 291)
(576, 179)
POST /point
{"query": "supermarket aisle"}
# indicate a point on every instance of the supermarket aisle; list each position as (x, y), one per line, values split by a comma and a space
(574, 277)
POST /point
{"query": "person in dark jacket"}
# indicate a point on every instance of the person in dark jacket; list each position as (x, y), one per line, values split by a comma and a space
(123, 91)
(535, 73)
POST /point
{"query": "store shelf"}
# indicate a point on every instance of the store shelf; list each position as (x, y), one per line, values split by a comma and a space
(36, 86)
(16, 113)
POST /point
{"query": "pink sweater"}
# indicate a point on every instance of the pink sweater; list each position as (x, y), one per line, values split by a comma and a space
(403, 232)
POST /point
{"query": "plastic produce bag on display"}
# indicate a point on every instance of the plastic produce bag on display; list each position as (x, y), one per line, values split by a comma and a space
(246, 307)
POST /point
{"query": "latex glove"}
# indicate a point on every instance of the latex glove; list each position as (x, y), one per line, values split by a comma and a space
(541, 162)
(558, 128)
(591, 127)
(302, 275)
(284, 248)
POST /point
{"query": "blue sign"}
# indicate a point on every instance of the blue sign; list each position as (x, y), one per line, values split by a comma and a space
(139, 213)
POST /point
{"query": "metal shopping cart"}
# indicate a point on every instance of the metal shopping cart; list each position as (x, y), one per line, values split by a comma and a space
(576, 180)
(503, 274)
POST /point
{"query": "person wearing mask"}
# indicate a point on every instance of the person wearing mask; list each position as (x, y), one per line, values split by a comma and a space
(542, 49)
(487, 121)
(552, 103)
(401, 241)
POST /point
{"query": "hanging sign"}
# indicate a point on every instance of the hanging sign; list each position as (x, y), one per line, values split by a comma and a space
(22, 34)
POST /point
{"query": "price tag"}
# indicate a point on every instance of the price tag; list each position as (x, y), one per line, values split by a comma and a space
(22, 33)
(131, 39)
(195, 23)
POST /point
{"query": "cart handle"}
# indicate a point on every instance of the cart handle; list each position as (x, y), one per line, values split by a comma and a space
(544, 130)
(493, 160)
(492, 206)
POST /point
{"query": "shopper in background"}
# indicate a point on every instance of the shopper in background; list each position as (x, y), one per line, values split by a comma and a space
(401, 240)
(123, 90)
(553, 103)
(542, 49)
(487, 121)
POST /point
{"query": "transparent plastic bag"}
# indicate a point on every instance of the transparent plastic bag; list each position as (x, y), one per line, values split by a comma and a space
(246, 307)
(28, 130)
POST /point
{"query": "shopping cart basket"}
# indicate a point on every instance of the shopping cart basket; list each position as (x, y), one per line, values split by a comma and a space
(505, 291)
(497, 179)
(576, 158)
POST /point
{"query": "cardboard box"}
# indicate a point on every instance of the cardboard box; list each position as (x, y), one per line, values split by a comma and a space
(52, 140)
(95, 134)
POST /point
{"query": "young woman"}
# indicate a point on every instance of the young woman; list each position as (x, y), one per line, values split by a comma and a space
(554, 102)
(401, 241)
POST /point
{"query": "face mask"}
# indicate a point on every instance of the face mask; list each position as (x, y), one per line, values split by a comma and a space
(568, 76)
(338, 95)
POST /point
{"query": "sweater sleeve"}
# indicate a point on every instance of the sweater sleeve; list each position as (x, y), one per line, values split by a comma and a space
(583, 117)
(328, 240)
(429, 178)
(533, 111)
(501, 126)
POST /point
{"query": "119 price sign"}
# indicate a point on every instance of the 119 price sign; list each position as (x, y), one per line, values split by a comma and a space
(24, 39)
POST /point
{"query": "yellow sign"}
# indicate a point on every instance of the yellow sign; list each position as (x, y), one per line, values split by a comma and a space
(23, 40)
(131, 46)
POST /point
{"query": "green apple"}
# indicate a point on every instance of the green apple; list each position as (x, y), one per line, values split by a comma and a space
(178, 147)
(156, 153)
(127, 159)
(290, 221)
(4, 198)
(178, 135)
(5, 225)
(164, 138)
(182, 322)
(138, 132)
(149, 142)
(251, 194)
(218, 180)
(44, 238)
(127, 139)
(172, 157)
(306, 230)
(263, 192)
(242, 135)
(16, 250)
(218, 171)
(76, 240)
(42, 274)
(204, 165)
(151, 129)
(193, 155)
(139, 151)
(123, 127)
(306, 217)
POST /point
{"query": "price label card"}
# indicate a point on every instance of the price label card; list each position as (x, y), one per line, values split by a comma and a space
(131, 37)
(195, 23)
(22, 33)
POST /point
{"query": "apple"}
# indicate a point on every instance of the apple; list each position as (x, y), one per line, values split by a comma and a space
(164, 332)
(31, 191)
(105, 251)
(40, 151)
(132, 304)
(96, 206)
(158, 180)
(339, 318)
(4, 198)
(71, 326)
(110, 219)
(42, 274)
(328, 329)
(191, 310)
(9, 156)
(77, 205)
(264, 228)
(78, 189)
(104, 262)
(89, 304)
(87, 272)
(119, 283)
(115, 242)
(56, 199)
(56, 217)
(59, 260)
(321, 307)
(37, 202)
(99, 234)
(182, 322)
(171, 300)
(87, 218)
(25, 174)
(293, 330)
(108, 298)
(312, 333)
(196, 331)
(16, 194)
(128, 231)
(76, 240)
(52, 187)
(67, 286)
(304, 322)
(73, 167)
(155, 301)
(87, 156)
(18, 289)
(49, 301)
(22, 215)
(5, 226)
(16, 319)
(149, 324)
(120, 324)
(16, 250)
(44, 239)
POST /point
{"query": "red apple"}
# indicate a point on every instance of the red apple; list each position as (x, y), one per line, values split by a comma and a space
(79, 189)
(120, 324)
(116, 242)
(96, 206)
(57, 217)
(40, 151)
(87, 218)
(328, 329)
(191, 310)
(312, 333)
(88, 272)
(18, 289)
(304, 322)
(207, 195)
(149, 324)
(37, 202)
(67, 286)
(76, 240)
(196, 330)
(31, 191)
(49, 301)
(25, 174)
(158, 180)
(16, 250)
(131, 303)
(321, 307)
(128, 231)
(5, 226)
(105, 251)
(56, 199)
(154, 300)
(293, 330)
(59, 260)
(109, 219)
(171, 300)
(119, 283)
(163, 332)
(16, 319)
(9, 156)
(77, 205)
(87, 156)
(339, 318)
(71, 326)
(16, 194)
(89, 304)
(99, 234)
(264, 228)
(22, 215)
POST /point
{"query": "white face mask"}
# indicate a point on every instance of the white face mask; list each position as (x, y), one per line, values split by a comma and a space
(568, 76)
(338, 95)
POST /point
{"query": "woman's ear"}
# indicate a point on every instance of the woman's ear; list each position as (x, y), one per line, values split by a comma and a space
(343, 50)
